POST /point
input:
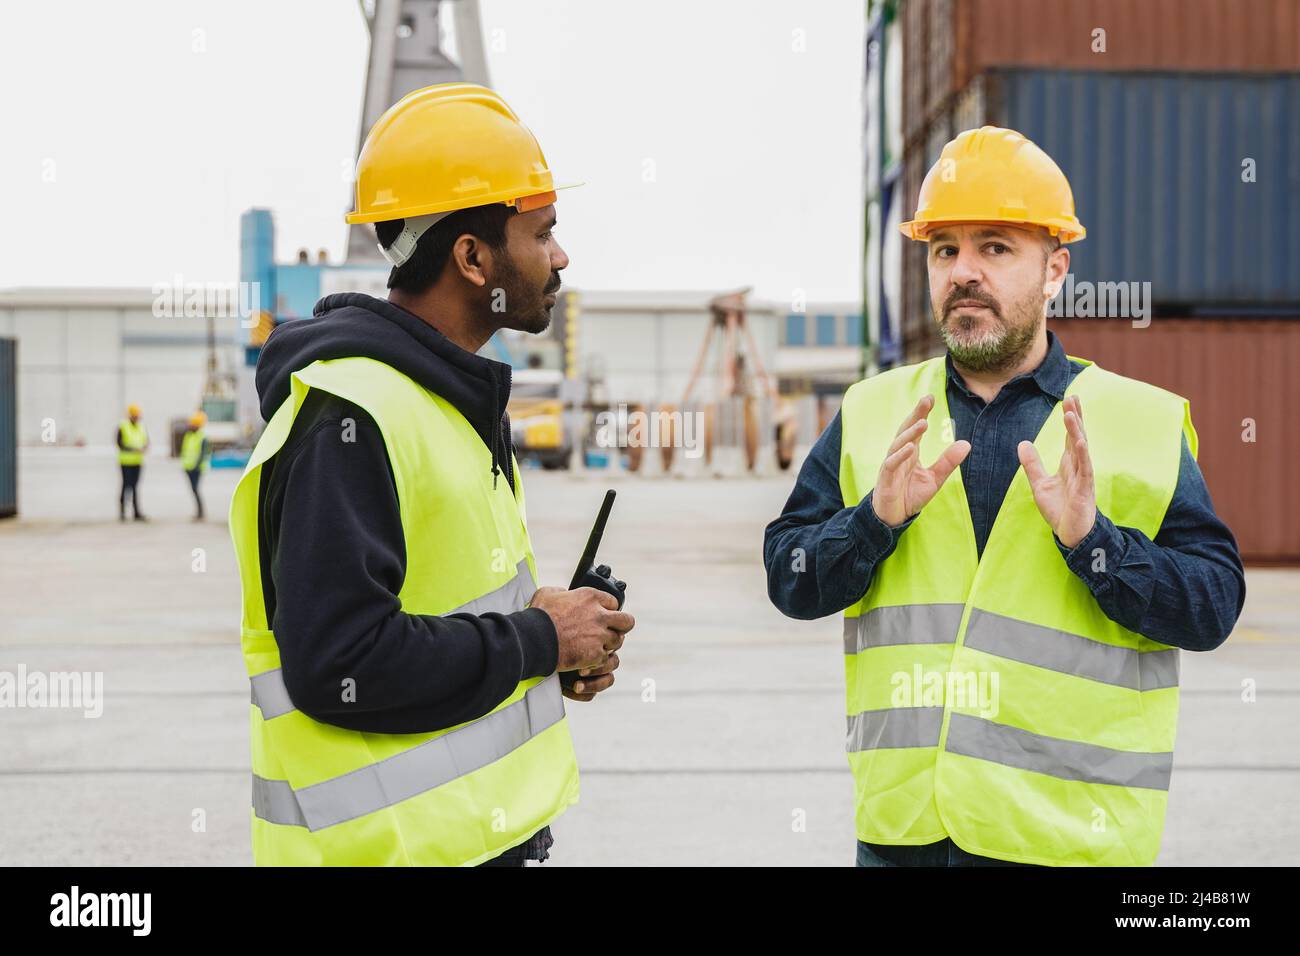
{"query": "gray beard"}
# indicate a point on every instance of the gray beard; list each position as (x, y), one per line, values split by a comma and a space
(994, 354)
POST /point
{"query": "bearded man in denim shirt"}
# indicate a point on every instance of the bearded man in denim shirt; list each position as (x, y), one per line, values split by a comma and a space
(1075, 766)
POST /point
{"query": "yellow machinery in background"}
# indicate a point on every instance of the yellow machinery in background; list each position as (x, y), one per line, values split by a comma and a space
(537, 417)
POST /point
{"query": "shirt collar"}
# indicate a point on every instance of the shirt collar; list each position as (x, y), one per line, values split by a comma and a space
(1052, 375)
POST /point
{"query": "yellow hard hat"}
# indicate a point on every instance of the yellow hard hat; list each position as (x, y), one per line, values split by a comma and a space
(444, 148)
(198, 419)
(995, 175)
(133, 411)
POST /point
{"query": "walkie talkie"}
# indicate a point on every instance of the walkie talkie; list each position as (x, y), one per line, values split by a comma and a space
(599, 577)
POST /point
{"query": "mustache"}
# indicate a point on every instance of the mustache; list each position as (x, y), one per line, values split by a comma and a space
(553, 288)
(974, 295)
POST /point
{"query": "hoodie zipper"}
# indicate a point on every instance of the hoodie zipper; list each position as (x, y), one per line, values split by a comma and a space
(510, 465)
(501, 438)
(496, 419)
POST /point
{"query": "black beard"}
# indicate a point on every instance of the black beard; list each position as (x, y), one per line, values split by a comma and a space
(538, 323)
(525, 309)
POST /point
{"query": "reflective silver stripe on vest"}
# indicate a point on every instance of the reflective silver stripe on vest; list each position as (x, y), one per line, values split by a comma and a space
(511, 596)
(1071, 654)
(1067, 759)
(903, 624)
(272, 697)
(274, 800)
(415, 771)
(895, 727)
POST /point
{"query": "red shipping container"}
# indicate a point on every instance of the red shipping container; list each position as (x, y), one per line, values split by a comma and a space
(1240, 377)
(947, 43)
(1179, 35)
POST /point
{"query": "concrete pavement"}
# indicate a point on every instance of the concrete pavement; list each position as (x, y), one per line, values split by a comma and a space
(722, 741)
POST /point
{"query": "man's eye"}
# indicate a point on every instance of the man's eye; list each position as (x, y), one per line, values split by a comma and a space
(546, 236)
(999, 248)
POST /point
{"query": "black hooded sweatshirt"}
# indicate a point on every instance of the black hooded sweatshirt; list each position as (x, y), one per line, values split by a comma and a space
(333, 550)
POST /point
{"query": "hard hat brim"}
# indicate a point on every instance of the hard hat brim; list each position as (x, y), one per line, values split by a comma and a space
(920, 229)
(356, 218)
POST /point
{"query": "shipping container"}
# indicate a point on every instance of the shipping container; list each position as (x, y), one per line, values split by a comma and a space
(1239, 376)
(940, 50)
(950, 42)
(1188, 185)
(914, 321)
(970, 107)
(873, 113)
(891, 249)
(1169, 35)
(915, 60)
(892, 92)
(1190, 182)
(8, 427)
(882, 168)
(937, 136)
(882, 98)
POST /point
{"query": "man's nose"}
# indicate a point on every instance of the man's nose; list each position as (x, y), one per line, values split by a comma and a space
(966, 269)
(559, 259)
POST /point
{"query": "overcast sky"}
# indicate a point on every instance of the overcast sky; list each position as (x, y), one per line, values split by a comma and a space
(135, 133)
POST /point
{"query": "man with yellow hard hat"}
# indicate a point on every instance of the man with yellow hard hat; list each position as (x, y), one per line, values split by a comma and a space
(132, 442)
(1011, 636)
(407, 708)
(196, 452)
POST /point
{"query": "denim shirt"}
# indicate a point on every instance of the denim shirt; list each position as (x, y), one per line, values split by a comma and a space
(1185, 588)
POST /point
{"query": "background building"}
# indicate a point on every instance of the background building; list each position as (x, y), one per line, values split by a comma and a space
(84, 354)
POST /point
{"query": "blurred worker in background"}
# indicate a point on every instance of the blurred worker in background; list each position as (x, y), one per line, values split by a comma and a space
(408, 709)
(195, 453)
(132, 443)
(1011, 637)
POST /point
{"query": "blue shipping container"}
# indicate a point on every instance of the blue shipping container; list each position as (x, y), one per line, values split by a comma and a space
(1162, 166)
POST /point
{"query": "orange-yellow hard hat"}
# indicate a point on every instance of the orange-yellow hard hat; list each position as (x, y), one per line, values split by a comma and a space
(133, 411)
(198, 419)
(444, 148)
(995, 175)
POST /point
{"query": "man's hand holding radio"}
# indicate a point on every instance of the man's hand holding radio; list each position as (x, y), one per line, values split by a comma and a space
(590, 630)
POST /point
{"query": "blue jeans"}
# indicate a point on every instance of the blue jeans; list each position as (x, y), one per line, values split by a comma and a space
(943, 853)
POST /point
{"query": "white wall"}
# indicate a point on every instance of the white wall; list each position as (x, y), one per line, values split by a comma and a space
(81, 366)
(648, 354)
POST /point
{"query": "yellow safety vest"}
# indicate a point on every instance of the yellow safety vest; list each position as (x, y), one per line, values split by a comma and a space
(457, 795)
(192, 449)
(989, 698)
(134, 438)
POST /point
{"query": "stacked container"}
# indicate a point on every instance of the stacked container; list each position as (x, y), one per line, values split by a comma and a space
(1178, 125)
(882, 148)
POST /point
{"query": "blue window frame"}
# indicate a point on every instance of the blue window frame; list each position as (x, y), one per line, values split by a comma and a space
(853, 330)
(826, 330)
(794, 329)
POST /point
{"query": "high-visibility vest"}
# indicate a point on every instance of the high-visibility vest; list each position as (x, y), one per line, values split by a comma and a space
(192, 450)
(130, 451)
(989, 698)
(457, 795)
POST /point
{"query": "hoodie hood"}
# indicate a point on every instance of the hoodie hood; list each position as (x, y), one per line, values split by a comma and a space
(354, 324)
